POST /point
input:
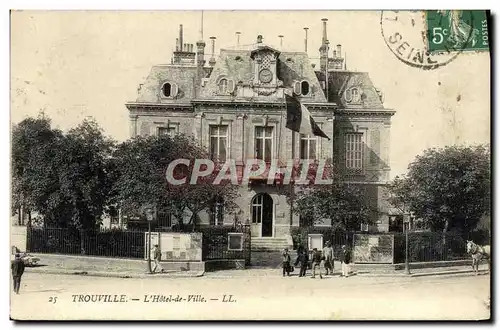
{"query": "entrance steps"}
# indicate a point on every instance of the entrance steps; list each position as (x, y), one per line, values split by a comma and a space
(271, 244)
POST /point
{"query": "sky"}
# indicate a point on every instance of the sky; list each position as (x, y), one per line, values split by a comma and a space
(76, 64)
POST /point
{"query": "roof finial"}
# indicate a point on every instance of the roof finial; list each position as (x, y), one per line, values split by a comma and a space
(201, 29)
(305, 29)
(238, 39)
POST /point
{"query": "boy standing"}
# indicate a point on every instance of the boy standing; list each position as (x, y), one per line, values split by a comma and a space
(157, 258)
(316, 261)
(286, 263)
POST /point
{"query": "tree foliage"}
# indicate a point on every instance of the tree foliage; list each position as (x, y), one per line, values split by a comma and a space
(63, 177)
(141, 164)
(449, 188)
(345, 204)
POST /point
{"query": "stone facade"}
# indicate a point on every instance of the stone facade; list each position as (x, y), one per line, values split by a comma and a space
(243, 91)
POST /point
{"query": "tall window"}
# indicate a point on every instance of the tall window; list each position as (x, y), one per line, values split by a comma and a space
(354, 151)
(257, 208)
(263, 143)
(170, 131)
(217, 212)
(308, 147)
(218, 142)
(223, 86)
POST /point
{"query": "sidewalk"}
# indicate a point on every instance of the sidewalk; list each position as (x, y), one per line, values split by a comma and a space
(276, 272)
(103, 267)
(137, 268)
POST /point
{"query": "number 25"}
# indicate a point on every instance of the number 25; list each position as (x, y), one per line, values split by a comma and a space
(53, 299)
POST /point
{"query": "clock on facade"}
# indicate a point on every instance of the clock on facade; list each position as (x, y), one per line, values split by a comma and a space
(265, 76)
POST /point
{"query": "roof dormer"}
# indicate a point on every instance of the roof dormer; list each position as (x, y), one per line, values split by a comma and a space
(265, 60)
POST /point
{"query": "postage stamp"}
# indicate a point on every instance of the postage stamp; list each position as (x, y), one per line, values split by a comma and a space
(457, 30)
(431, 39)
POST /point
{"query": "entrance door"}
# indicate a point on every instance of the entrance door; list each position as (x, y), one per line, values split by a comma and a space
(262, 216)
(267, 216)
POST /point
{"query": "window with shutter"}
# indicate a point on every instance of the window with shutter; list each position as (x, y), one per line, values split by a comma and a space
(175, 90)
(230, 86)
(297, 88)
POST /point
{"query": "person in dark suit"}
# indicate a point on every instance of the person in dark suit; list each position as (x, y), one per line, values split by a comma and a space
(302, 259)
(345, 258)
(286, 263)
(17, 267)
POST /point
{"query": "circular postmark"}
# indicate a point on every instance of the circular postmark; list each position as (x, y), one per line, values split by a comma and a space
(410, 34)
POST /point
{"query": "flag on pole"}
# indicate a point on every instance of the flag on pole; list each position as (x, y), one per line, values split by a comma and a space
(299, 119)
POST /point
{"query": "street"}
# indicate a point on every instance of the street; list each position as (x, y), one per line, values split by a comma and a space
(267, 296)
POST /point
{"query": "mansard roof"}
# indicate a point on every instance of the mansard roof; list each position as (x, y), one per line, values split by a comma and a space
(341, 81)
(183, 76)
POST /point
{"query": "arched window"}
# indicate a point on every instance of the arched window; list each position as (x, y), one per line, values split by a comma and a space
(223, 86)
(257, 208)
(167, 89)
(304, 86)
(352, 95)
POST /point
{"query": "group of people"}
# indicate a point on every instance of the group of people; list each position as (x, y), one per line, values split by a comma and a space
(319, 259)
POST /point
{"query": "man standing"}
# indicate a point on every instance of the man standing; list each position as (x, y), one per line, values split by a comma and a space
(17, 267)
(157, 257)
(303, 260)
(345, 258)
(286, 263)
(328, 257)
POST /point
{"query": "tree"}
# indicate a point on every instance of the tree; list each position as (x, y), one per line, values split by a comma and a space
(141, 164)
(343, 203)
(34, 166)
(65, 178)
(449, 188)
(85, 174)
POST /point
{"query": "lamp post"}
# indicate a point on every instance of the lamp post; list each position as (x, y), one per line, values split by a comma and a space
(406, 224)
(149, 217)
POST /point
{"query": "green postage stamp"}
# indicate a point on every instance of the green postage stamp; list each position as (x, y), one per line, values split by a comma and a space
(457, 30)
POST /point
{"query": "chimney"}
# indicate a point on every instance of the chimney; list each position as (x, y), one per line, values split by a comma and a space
(337, 60)
(259, 39)
(180, 38)
(323, 50)
(305, 41)
(238, 38)
(212, 59)
(176, 44)
(281, 40)
(324, 20)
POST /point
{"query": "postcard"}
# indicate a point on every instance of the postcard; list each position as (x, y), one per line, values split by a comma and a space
(250, 165)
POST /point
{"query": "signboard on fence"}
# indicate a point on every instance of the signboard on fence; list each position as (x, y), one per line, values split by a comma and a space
(176, 246)
(315, 241)
(373, 248)
(181, 246)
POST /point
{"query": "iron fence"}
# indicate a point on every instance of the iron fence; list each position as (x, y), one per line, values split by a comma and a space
(130, 244)
(429, 246)
(423, 246)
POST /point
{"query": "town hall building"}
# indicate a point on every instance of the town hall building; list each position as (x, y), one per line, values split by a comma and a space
(234, 107)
